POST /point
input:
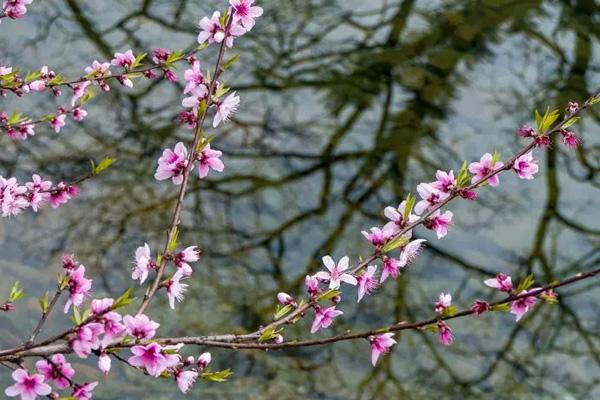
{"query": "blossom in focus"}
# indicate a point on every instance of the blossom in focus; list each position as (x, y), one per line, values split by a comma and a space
(445, 181)
(525, 166)
(175, 289)
(396, 217)
(79, 114)
(79, 287)
(226, 108)
(15, 9)
(380, 344)
(209, 159)
(377, 236)
(153, 358)
(86, 339)
(62, 194)
(312, 285)
(58, 121)
(193, 77)
(13, 198)
(143, 263)
(37, 192)
(335, 272)
(324, 318)
(410, 252)
(440, 222)
(285, 299)
(171, 164)
(140, 326)
(27, 386)
(522, 306)
(78, 91)
(501, 281)
(479, 307)
(245, 12)
(85, 391)
(124, 60)
(485, 167)
(211, 30)
(391, 267)
(58, 370)
(366, 282)
(204, 360)
(430, 197)
(188, 255)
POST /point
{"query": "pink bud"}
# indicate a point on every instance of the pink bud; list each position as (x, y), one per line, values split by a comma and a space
(104, 363)
(204, 360)
(285, 298)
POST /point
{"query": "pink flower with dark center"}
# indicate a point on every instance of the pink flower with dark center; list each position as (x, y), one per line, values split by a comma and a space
(479, 307)
(526, 131)
(27, 386)
(58, 121)
(569, 139)
(193, 77)
(124, 60)
(439, 222)
(85, 391)
(522, 306)
(79, 114)
(140, 326)
(13, 197)
(114, 330)
(212, 31)
(324, 318)
(62, 194)
(226, 108)
(572, 107)
(98, 70)
(430, 195)
(377, 236)
(444, 301)
(312, 285)
(15, 9)
(204, 360)
(543, 141)
(501, 281)
(445, 181)
(57, 370)
(467, 194)
(245, 12)
(143, 263)
(366, 282)
(188, 255)
(86, 339)
(335, 274)
(68, 262)
(160, 55)
(445, 333)
(175, 289)
(410, 252)
(396, 217)
(197, 95)
(171, 164)
(209, 159)
(484, 167)
(525, 166)
(187, 118)
(391, 267)
(79, 287)
(380, 344)
(38, 192)
(153, 358)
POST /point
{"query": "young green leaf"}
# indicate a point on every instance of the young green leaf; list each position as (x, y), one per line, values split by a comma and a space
(44, 302)
(330, 294)
(399, 241)
(104, 164)
(218, 376)
(525, 283)
(173, 241)
(282, 311)
(231, 61)
(16, 292)
(501, 307)
(410, 203)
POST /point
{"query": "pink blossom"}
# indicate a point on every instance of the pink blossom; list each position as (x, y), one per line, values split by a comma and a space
(104, 363)
(226, 108)
(193, 77)
(410, 252)
(160, 55)
(13, 198)
(391, 267)
(526, 131)
(572, 107)
(38, 192)
(501, 281)
(522, 306)
(187, 118)
(114, 330)
(445, 333)
(140, 326)
(569, 139)
(204, 360)
(62, 194)
(171, 164)
(336, 274)
(430, 195)
(440, 222)
(68, 262)
(209, 159)
(79, 287)
(101, 306)
(175, 289)
(525, 166)
(285, 299)
(15, 9)
(98, 70)
(85, 391)
(188, 255)
(380, 344)
(312, 285)
(37, 86)
(324, 317)
(445, 181)
(78, 91)
(58, 370)
(197, 94)
(124, 60)
(377, 236)
(543, 141)
(245, 12)
(212, 31)
(479, 307)
(86, 339)
(58, 121)
(444, 301)
(153, 358)
(143, 263)
(79, 114)
(125, 81)
(22, 131)
(185, 380)
(366, 282)
(4, 70)
(27, 386)
(396, 217)
(483, 168)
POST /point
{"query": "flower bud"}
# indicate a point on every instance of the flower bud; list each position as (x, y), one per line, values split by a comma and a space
(285, 298)
(278, 339)
(104, 363)
(204, 360)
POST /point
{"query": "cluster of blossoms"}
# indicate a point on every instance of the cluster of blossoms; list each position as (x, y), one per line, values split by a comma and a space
(14, 9)
(15, 198)
(174, 286)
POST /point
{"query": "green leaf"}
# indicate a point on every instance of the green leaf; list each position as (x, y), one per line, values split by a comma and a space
(174, 57)
(88, 95)
(501, 307)
(32, 76)
(76, 316)
(570, 122)
(545, 122)
(538, 120)
(399, 241)
(138, 60)
(268, 334)
(43, 302)
(173, 241)
(15, 118)
(202, 46)
(282, 311)
(16, 292)
(104, 164)
(218, 376)
(231, 61)
(449, 311)
(410, 203)
(549, 299)
(57, 80)
(495, 158)
(526, 283)
(433, 328)
(124, 299)
(330, 294)
(463, 178)
(221, 91)
(594, 100)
